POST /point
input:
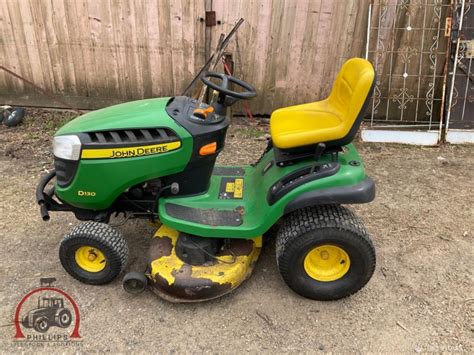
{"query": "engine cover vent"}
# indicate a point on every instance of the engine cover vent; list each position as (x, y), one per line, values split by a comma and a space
(128, 137)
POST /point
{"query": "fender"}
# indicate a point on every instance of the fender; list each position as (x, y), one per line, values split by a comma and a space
(362, 192)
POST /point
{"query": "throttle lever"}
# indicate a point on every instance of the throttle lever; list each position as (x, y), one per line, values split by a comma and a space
(203, 113)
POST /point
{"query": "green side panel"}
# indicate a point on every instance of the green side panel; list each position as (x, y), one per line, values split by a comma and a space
(98, 182)
(258, 215)
(134, 114)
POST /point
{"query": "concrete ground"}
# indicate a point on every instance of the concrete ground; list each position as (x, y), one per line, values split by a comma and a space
(420, 298)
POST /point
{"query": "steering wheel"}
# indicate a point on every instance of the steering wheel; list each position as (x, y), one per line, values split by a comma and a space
(223, 87)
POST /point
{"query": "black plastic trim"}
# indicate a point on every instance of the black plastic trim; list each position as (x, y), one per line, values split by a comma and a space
(299, 177)
(196, 177)
(181, 108)
(291, 156)
(65, 170)
(362, 192)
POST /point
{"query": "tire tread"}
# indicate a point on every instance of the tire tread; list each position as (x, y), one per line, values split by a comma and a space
(310, 219)
(102, 233)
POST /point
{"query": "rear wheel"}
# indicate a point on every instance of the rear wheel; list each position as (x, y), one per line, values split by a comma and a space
(64, 318)
(325, 252)
(93, 253)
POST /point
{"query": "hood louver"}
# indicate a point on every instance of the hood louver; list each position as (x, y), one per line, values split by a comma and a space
(129, 137)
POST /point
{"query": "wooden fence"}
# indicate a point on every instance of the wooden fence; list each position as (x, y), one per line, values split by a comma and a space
(99, 52)
(94, 53)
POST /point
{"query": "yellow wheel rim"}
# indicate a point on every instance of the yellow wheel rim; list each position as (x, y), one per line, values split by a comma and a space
(90, 259)
(327, 263)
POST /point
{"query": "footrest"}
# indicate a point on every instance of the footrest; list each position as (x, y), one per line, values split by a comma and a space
(209, 217)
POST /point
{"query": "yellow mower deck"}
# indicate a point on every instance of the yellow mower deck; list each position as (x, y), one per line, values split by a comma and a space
(177, 281)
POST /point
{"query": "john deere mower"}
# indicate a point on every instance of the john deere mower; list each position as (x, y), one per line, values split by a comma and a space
(156, 159)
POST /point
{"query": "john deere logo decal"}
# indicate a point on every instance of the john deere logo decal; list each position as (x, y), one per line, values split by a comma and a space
(130, 152)
(47, 314)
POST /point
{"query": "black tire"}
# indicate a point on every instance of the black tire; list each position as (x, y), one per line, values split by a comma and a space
(308, 228)
(41, 324)
(101, 236)
(64, 318)
(14, 116)
(134, 282)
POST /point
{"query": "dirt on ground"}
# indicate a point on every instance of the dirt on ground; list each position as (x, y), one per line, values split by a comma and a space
(420, 298)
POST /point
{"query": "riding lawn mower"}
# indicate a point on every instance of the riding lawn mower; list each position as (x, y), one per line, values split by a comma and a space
(155, 159)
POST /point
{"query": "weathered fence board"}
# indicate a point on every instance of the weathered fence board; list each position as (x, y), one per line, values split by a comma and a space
(95, 53)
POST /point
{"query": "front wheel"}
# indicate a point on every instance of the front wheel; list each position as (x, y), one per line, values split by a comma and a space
(325, 253)
(41, 324)
(94, 253)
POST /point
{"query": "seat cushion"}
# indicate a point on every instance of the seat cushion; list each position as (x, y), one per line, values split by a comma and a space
(331, 121)
(301, 125)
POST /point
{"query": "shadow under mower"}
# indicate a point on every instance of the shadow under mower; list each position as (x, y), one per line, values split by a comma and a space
(155, 159)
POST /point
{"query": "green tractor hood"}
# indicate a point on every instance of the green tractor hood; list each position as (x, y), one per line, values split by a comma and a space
(97, 182)
(135, 114)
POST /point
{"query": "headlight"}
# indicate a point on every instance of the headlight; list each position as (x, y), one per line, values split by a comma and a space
(67, 147)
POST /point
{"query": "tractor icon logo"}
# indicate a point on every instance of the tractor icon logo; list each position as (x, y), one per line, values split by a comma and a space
(50, 312)
(47, 313)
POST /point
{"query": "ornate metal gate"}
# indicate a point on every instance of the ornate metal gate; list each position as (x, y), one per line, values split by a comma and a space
(407, 45)
(460, 105)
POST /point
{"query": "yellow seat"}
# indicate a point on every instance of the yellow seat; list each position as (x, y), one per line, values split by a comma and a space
(333, 121)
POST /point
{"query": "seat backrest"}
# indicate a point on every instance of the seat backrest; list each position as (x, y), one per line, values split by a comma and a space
(351, 93)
